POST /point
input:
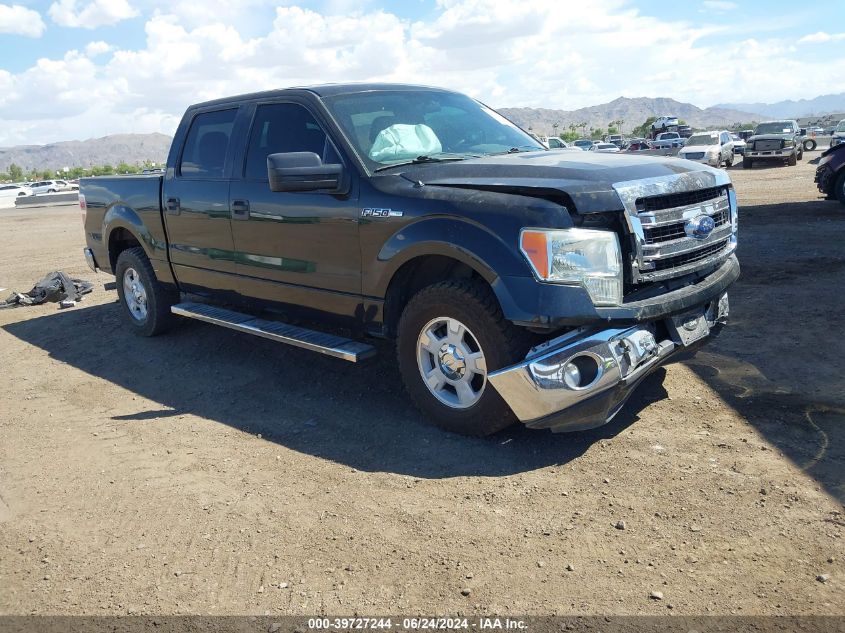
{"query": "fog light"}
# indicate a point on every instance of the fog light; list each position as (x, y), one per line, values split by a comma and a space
(572, 376)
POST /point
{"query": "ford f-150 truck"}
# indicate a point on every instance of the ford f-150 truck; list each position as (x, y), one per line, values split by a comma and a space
(518, 283)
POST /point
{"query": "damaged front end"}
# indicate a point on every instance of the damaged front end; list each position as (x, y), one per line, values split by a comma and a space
(581, 380)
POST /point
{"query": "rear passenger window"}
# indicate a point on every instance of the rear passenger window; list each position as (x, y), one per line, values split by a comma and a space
(204, 155)
(284, 127)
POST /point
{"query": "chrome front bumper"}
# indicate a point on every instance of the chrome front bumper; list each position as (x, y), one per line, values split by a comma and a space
(610, 362)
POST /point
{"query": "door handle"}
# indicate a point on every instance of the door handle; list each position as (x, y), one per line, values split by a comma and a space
(240, 209)
(172, 206)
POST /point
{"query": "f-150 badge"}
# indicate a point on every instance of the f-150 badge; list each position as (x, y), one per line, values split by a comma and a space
(380, 213)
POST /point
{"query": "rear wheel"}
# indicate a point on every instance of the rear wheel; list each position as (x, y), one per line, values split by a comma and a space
(146, 301)
(450, 336)
(747, 163)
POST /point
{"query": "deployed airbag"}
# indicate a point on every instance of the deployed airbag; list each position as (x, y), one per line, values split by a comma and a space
(405, 142)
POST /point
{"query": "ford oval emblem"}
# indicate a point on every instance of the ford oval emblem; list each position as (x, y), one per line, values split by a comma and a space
(699, 227)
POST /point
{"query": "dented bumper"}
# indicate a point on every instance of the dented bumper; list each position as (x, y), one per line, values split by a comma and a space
(581, 380)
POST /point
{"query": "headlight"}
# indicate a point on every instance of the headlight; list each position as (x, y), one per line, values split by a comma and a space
(584, 257)
(789, 143)
(712, 151)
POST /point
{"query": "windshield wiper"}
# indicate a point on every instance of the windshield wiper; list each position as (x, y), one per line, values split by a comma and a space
(421, 159)
(517, 150)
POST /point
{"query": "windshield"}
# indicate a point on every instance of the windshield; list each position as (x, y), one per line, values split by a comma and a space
(583, 143)
(703, 139)
(774, 127)
(841, 126)
(392, 127)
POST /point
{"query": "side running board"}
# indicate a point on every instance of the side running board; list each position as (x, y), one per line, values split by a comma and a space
(328, 344)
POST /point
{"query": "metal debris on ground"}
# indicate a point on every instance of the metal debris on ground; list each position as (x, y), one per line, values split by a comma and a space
(55, 287)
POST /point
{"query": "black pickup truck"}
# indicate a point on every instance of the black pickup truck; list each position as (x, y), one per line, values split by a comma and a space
(519, 283)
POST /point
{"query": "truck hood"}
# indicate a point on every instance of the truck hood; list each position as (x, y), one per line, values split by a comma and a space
(586, 177)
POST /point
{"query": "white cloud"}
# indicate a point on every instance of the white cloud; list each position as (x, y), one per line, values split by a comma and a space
(504, 52)
(92, 49)
(18, 20)
(821, 37)
(91, 15)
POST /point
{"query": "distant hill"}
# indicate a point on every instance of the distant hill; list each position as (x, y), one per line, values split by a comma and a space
(825, 104)
(633, 112)
(108, 150)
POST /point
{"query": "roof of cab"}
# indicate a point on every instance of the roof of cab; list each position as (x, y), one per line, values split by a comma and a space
(325, 90)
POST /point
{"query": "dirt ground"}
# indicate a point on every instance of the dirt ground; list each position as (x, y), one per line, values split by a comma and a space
(210, 472)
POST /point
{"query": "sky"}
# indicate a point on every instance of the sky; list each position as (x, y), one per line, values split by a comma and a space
(77, 69)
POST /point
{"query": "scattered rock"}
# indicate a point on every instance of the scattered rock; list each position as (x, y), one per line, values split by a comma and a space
(274, 627)
(261, 589)
(569, 567)
(283, 585)
(540, 563)
(606, 480)
(822, 578)
(831, 560)
(656, 595)
(620, 525)
(466, 591)
(469, 575)
(177, 573)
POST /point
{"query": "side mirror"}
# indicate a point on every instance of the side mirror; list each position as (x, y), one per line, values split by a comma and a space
(304, 171)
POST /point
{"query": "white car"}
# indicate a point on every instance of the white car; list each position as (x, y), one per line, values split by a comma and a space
(604, 147)
(664, 123)
(49, 186)
(712, 148)
(9, 193)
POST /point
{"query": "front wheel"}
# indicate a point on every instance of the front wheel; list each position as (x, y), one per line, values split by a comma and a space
(747, 163)
(839, 188)
(730, 161)
(146, 301)
(450, 336)
(792, 160)
(801, 154)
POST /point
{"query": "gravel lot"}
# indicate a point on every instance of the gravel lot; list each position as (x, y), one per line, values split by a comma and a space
(210, 472)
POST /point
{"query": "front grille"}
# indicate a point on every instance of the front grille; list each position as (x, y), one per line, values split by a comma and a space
(666, 250)
(682, 199)
(694, 155)
(689, 258)
(767, 145)
(675, 231)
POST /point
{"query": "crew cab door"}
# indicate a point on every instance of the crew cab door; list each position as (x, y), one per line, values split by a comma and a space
(195, 203)
(296, 248)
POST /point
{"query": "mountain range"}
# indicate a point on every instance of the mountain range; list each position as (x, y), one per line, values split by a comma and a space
(632, 112)
(824, 104)
(109, 150)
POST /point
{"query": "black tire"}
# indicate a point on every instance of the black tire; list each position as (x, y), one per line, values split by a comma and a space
(159, 298)
(809, 145)
(792, 160)
(51, 191)
(839, 188)
(747, 163)
(800, 153)
(729, 162)
(501, 342)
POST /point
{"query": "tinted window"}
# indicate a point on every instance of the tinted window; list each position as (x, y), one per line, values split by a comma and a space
(206, 144)
(284, 127)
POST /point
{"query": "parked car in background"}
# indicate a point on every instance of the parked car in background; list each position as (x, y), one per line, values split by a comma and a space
(774, 141)
(838, 134)
(739, 144)
(830, 174)
(604, 147)
(50, 186)
(668, 140)
(664, 123)
(685, 131)
(9, 193)
(638, 145)
(583, 143)
(616, 139)
(712, 148)
(554, 142)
